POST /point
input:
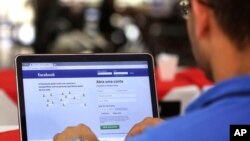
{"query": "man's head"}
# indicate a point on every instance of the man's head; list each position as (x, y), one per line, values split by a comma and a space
(217, 26)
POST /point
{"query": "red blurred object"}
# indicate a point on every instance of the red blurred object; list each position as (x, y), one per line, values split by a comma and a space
(10, 136)
(188, 76)
(8, 83)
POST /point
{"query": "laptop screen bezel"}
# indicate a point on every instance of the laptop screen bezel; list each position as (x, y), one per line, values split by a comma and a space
(78, 58)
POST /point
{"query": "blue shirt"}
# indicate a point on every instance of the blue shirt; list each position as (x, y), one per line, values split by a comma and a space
(209, 117)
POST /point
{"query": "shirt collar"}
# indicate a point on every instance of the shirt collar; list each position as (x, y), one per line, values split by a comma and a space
(223, 89)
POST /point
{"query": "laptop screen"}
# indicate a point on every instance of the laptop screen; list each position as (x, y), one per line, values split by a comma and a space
(109, 97)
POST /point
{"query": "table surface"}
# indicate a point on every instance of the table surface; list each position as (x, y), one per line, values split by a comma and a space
(8, 128)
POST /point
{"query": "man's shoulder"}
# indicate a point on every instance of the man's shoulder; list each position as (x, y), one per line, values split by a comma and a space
(210, 123)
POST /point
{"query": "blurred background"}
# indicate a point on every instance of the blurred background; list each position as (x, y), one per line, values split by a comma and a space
(101, 26)
(92, 26)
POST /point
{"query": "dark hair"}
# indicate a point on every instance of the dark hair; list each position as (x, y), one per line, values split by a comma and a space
(233, 16)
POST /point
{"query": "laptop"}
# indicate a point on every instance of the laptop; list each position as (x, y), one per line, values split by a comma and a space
(107, 92)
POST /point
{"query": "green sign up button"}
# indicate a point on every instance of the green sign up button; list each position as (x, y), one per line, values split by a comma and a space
(107, 127)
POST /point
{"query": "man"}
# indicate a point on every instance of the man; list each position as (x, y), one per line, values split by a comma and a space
(219, 31)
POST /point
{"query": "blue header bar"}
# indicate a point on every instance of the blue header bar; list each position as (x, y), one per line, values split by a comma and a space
(29, 74)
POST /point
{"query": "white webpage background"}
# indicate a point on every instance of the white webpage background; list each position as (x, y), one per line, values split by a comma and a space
(45, 119)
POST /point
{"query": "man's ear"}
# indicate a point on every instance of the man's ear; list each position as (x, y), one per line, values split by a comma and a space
(201, 13)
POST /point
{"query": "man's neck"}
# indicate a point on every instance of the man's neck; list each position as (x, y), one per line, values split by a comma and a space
(229, 62)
